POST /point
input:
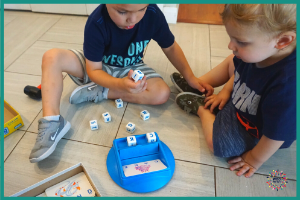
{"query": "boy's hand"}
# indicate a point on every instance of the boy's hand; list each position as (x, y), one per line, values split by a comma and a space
(245, 163)
(215, 100)
(128, 84)
(201, 86)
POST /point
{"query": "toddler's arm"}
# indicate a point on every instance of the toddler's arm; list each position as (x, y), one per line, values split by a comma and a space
(253, 159)
(221, 98)
(100, 77)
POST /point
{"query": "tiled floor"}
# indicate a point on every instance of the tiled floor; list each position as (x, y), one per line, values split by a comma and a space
(198, 172)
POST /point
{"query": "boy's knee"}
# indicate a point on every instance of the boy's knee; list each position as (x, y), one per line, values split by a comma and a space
(162, 95)
(51, 56)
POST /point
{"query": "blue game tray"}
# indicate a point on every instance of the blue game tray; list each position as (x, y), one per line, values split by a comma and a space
(121, 154)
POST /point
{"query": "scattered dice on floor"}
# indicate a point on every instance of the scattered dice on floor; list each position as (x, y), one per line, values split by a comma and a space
(119, 103)
(106, 117)
(131, 141)
(137, 75)
(151, 137)
(130, 127)
(145, 115)
(94, 125)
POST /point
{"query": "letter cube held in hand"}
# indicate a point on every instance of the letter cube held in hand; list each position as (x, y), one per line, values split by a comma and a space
(119, 103)
(151, 137)
(145, 115)
(137, 75)
(106, 117)
(131, 141)
(94, 125)
(130, 127)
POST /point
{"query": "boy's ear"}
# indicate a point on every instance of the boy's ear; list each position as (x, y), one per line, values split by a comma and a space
(285, 39)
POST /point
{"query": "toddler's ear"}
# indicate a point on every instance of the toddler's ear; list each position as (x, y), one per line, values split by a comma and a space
(285, 39)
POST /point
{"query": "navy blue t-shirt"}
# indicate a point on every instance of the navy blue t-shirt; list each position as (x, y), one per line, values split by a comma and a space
(265, 99)
(105, 41)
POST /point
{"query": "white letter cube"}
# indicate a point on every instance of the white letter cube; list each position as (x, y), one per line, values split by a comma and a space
(106, 117)
(94, 125)
(119, 103)
(131, 141)
(145, 115)
(130, 127)
(137, 75)
(151, 137)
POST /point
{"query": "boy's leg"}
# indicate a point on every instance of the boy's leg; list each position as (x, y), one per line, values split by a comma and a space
(157, 92)
(52, 127)
(56, 61)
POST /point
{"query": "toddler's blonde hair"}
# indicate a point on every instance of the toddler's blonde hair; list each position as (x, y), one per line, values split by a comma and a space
(270, 18)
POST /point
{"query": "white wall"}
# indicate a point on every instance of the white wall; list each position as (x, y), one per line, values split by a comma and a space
(17, 6)
(170, 10)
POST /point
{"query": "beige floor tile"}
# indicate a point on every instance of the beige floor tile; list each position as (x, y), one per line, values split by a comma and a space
(30, 61)
(215, 60)
(194, 42)
(21, 33)
(229, 184)
(189, 179)
(219, 41)
(8, 18)
(80, 115)
(14, 94)
(11, 141)
(69, 29)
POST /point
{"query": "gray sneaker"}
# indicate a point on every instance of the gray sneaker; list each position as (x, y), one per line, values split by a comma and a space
(50, 132)
(87, 92)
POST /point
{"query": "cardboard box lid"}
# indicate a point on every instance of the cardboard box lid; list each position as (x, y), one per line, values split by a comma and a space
(41, 186)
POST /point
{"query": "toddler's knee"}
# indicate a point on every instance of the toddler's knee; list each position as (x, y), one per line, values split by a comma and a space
(162, 95)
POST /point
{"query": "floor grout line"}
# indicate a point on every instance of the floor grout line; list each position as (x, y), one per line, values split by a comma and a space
(22, 73)
(121, 120)
(29, 47)
(215, 178)
(188, 161)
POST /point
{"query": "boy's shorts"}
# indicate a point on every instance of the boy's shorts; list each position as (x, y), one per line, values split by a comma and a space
(118, 72)
(229, 137)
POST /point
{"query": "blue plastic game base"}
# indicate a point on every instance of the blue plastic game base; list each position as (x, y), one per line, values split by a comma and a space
(148, 184)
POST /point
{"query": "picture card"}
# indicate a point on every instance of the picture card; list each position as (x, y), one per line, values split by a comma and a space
(143, 167)
(75, 186)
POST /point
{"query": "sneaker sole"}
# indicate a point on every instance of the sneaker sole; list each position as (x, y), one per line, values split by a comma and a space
(182, 93)
(79, 88)
(177, 87)
(52, 148)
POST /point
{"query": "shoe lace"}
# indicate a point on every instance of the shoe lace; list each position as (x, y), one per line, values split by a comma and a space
(41, 133)
(95, 96)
